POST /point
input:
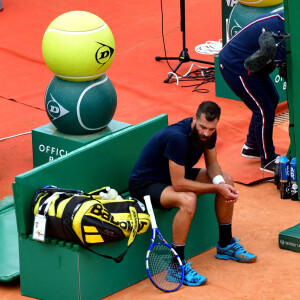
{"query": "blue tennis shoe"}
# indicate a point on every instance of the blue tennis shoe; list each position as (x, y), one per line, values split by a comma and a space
(191, 277)
(235, 251)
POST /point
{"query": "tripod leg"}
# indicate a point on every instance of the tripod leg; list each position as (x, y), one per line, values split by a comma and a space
(202, 61)
(170, 75)
(159, 58)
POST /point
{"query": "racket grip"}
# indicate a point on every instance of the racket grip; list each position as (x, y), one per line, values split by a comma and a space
(150, 211)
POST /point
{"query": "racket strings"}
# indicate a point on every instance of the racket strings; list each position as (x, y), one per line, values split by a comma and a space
(164, 267)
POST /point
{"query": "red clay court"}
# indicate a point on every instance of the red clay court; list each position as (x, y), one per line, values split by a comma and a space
(259, 214)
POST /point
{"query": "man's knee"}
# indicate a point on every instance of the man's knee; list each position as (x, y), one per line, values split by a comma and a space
(228, 179)
(188, 202)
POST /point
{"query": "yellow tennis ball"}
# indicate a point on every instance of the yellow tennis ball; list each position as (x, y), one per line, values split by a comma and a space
(78, 46)
(260, 3)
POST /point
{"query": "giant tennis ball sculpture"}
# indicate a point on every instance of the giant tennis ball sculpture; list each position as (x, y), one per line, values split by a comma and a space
(260, 3)
(80, 107)
(78, 46)
(241, 15)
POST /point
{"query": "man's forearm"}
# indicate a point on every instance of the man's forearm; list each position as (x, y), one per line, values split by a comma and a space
(187, 185)
(214, 170)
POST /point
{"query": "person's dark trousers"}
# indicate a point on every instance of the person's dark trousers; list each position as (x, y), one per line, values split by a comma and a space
(260, 96)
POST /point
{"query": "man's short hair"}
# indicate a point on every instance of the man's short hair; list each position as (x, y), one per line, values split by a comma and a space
(210, 109)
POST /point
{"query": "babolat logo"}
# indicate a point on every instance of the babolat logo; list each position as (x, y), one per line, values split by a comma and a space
(98, 210)
(103, 54)
(104, 214)
(55, 110)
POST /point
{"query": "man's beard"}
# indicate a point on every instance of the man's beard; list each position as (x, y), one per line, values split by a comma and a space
(197, 140)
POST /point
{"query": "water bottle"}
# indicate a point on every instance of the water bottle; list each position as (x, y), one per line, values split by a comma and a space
(284, 173)
(294, 185)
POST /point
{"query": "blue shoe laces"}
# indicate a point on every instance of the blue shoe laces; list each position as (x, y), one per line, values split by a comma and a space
(192, 275)
(239, 246)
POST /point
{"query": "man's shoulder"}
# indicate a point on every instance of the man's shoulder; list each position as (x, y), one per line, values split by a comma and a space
(180, 129)
(181, 126)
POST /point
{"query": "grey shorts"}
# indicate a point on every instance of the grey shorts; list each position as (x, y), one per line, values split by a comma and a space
(138, 189)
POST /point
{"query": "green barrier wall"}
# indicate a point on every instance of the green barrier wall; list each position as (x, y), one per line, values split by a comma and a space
(63, 270)
(292, 26)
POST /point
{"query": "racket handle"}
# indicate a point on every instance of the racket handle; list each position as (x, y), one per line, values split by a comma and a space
(150, 211)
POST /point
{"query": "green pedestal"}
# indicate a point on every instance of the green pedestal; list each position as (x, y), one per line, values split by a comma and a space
(223, 90)
(48, 143)
(289, 239)
(227, 6)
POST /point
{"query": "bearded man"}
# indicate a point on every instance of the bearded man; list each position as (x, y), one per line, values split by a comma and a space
(165, 171)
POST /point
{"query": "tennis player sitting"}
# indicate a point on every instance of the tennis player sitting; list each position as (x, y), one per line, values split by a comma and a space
(165, 171)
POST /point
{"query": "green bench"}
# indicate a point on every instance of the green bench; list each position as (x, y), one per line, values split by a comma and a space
(58, 269)
(9, 262)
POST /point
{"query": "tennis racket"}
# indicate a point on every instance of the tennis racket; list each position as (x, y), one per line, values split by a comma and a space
(163, 264)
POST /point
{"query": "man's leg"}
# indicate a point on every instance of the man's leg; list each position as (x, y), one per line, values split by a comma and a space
(250, 148)
(186, 204)
(260, 96)
(164, 196)
(227, 247)
(224, 210)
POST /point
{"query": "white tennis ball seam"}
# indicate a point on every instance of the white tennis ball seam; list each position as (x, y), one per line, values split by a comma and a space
(79, 102)
(76, 32)
(277, 9)
(80, 77)
(250, 1)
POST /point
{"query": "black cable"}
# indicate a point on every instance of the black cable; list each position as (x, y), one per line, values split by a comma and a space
(204, 75)
(10, 99)
(163, 36)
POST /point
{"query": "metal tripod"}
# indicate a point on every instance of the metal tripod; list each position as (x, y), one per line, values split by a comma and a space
(183, 56)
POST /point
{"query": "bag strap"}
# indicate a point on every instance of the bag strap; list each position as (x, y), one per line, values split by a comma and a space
(117, 259)
(132, 236)
(51, 188)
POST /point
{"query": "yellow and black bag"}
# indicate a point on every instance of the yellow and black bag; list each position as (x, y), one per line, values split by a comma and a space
(89, 220)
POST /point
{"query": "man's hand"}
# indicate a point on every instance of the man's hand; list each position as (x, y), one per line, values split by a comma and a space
(227, 191)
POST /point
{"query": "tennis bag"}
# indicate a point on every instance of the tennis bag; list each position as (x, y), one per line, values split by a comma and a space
(88, 219)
